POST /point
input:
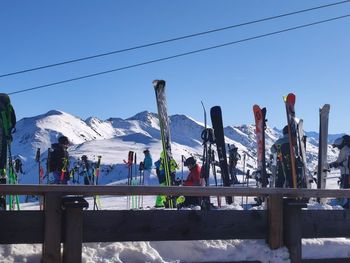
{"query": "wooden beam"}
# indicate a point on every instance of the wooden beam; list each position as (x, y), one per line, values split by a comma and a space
(124, 190)
(73, 228)
(275, 221)
(292, 228)
(52, 229)
(161, 225)
(21, 227)
(325, 223)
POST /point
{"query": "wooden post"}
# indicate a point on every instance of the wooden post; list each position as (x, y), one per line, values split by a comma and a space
(73, 228)
(52, 228)
(292, 228)
(275, 221)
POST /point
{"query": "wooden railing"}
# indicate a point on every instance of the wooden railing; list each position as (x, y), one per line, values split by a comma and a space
(64, 219)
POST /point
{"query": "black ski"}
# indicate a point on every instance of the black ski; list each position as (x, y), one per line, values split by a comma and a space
(216, 120)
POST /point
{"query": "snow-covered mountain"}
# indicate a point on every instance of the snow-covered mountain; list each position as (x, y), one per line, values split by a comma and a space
(113, 138)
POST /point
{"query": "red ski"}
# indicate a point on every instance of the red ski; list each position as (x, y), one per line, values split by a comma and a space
(289, 101)
(260, 126)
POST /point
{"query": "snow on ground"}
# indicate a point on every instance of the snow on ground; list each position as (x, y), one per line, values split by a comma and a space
(181, 251)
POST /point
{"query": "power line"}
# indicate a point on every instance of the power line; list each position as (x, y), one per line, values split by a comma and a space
(180, 55)
(170, 40)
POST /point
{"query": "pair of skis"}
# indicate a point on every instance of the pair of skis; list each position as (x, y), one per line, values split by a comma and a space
(297, 145)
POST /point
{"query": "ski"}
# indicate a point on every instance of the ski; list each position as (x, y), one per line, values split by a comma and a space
(301, 141)
(159, 88)
(260, 126)
(129, 164)
(205, 157)
(289, 101)
(217, 123)
(322, 148)
(40, 175)
(97, 203)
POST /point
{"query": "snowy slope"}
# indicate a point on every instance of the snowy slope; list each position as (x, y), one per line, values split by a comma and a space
(113, 138)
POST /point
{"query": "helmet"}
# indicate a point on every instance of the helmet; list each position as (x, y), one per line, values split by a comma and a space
(191, 161)
(84, 157)
(233, 146)
(285, 130)
(146, 151)
(63, 140)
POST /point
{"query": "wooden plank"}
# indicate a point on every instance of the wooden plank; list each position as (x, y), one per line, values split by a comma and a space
(161, 225)
(275, 221)
(325, 223)
(292, 228)
(52, 228)
(123, 190)
(21, 227)
(73, 228)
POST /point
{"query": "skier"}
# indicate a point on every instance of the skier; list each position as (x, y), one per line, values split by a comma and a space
(160, 171)
(86, 170)
(147, 167)
(193, 179)
(342, 163)
(234, 157)
(59, 161)
(18, 166)
(281, 148)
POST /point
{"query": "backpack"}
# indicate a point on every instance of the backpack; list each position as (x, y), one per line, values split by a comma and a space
(7, 115)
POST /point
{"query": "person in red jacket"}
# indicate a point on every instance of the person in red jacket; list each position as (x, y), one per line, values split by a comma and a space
(193, 179)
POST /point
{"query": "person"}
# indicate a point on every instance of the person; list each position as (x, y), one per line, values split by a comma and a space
(86, 170)
(147, 167)
(283, 171)
(59, 161)
(234, 157)
(7, 125)
(162, 179)
(342, 163)
(193, 179)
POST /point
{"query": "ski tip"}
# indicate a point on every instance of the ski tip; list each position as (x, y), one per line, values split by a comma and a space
(256, 107)
(291, 97)
(325, 108)
(157, 82)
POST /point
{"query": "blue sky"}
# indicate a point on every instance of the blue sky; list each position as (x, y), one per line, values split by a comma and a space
(312, 62)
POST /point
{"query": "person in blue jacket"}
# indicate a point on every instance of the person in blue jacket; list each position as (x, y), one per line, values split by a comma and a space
(148, 163)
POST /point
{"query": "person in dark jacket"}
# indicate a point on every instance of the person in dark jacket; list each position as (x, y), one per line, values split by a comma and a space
(342, 163)
(59, 161)
(284, 171)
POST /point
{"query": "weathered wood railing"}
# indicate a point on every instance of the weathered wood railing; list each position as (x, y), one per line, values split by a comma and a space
(64, 219)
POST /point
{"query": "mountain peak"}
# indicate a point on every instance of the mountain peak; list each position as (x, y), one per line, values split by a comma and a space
(144, 116)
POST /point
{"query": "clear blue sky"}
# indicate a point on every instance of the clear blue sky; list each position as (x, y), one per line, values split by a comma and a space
(313, 62)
